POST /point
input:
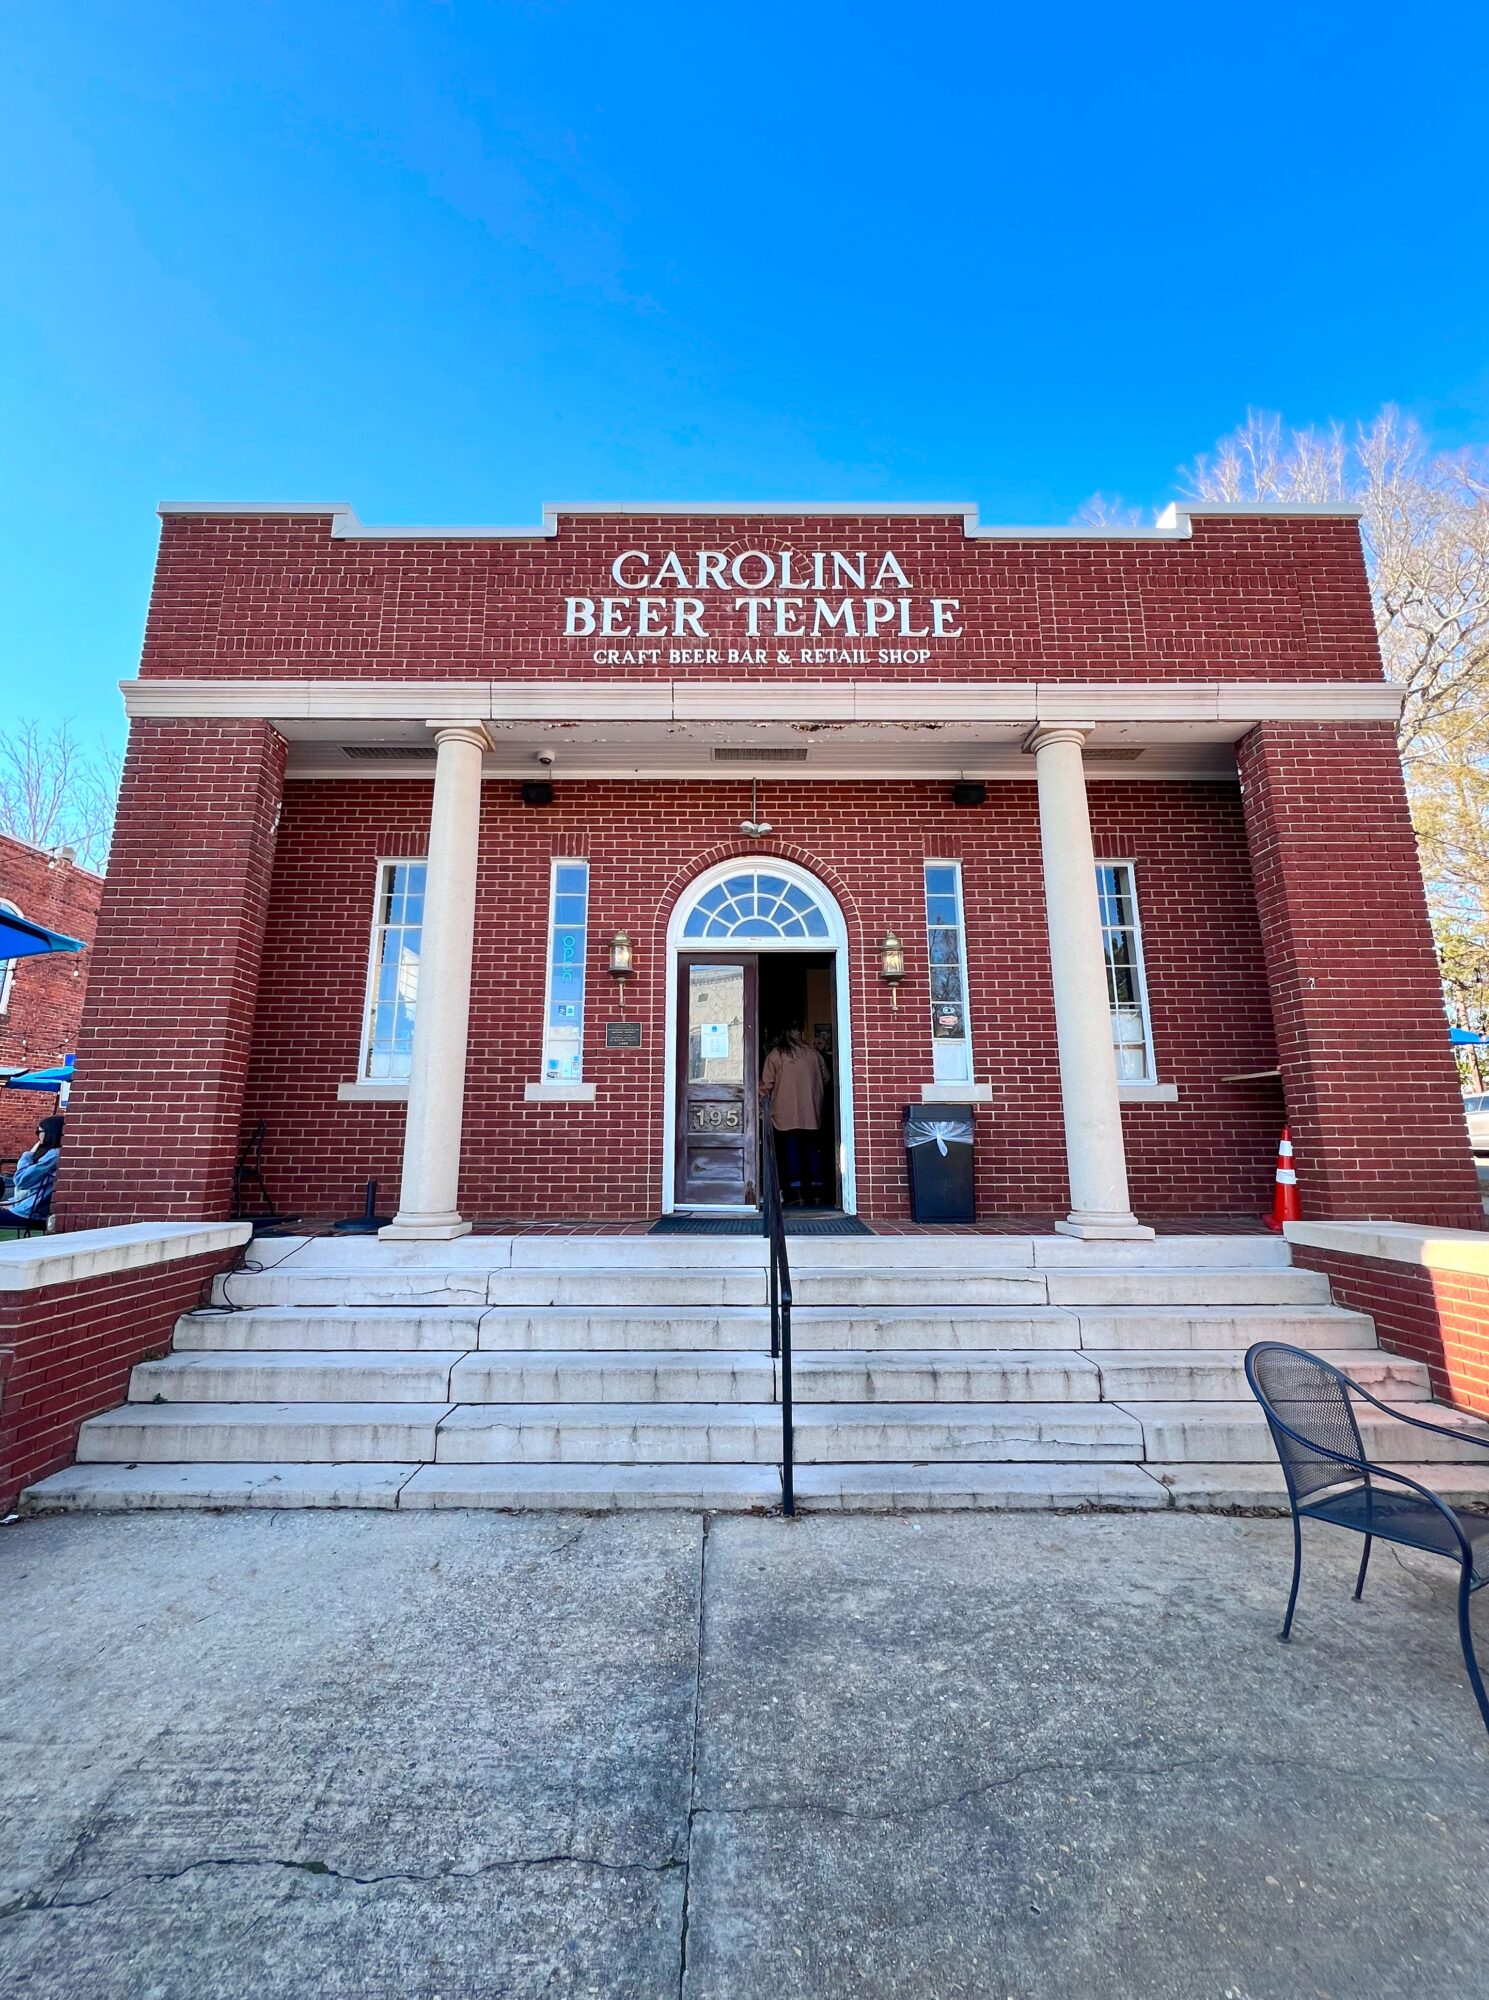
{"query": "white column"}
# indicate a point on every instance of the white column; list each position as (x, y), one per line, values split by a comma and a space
(436, 1085)
(1099, 1203)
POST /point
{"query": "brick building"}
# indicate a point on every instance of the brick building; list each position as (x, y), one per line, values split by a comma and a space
(41, 998)
(397, 801)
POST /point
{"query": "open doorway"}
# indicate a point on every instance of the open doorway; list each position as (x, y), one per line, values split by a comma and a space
(796, 990)
(753, 944)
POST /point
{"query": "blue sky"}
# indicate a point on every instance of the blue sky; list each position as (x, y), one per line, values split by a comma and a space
(449, 261)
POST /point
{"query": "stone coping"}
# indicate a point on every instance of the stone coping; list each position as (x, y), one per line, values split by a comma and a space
(73, 1256)
(1398, 1243)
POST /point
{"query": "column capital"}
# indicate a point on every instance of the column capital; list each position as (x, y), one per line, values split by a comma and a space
(462, 732)
(1045, 733)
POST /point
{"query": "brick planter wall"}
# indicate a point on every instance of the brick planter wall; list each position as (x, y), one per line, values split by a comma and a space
(67, 1351)
(1439, 1317)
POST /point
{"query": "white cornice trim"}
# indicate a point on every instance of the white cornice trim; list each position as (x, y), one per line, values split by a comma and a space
(1173, 524)
(1014, 703)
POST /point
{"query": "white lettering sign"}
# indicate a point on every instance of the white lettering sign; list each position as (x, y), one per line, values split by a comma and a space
(836, 595)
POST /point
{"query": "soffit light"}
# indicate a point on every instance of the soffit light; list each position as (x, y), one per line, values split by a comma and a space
(755, 828)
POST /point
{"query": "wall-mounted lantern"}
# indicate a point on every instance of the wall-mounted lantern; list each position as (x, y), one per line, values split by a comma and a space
(621, 966)
(892, 966)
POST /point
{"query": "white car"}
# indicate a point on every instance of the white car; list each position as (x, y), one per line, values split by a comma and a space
(1477, 1109)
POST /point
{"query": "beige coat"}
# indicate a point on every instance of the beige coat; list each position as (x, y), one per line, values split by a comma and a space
(796, 1080)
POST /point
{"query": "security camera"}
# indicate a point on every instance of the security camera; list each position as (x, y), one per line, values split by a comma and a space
(547, 759)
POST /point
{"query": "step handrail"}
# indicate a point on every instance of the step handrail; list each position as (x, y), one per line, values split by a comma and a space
(780, 1300)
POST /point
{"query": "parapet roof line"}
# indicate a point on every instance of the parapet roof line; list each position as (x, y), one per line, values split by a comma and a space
(1173, 524)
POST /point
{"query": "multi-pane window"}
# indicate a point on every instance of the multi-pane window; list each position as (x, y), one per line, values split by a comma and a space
(393, 979)
(1126, 986)
(946, 937)
(563, 1025)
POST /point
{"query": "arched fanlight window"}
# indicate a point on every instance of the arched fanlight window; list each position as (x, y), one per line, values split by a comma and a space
(755, 903)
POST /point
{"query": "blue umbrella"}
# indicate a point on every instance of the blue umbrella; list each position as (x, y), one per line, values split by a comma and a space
(51, 1078)
(18, 939)
(1465, 1038)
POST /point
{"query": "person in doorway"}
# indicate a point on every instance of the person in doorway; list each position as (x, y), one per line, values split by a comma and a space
(795, 1080)
(30, 1194)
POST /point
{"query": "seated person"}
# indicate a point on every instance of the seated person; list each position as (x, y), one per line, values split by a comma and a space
(36, 1170)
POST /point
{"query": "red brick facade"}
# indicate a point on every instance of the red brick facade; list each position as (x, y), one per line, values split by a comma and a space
(1372, 1091)
(39, 1024)
(1245, 599)
(163, 1050)
(1304, 904)
(1211, 1152)
(66, 1352)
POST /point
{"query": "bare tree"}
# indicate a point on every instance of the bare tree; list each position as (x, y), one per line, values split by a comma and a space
(1107, 510)
(54, 793)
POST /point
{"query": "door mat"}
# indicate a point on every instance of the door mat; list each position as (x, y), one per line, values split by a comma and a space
(753, 1225)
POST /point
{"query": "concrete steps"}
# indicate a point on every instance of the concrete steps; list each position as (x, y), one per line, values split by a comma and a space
(270, 1433)
(747, 1328)
(874, 1488)
(602, 1372)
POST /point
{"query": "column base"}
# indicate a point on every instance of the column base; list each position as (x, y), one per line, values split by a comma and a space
(424, 1229)
(1105, 1228)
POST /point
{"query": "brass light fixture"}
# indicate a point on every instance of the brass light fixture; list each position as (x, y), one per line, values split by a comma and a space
(892, 966)
(621, 966)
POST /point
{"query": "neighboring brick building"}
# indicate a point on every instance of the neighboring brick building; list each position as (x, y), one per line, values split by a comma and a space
(956, 736)
(41, 998)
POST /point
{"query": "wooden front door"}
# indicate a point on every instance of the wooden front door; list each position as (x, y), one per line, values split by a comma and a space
(717, 1082)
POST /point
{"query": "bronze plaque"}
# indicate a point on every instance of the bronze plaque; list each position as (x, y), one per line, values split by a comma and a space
(622, 1034)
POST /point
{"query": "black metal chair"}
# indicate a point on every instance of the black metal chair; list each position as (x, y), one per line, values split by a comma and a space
(249, 1173)
(1306, 1402)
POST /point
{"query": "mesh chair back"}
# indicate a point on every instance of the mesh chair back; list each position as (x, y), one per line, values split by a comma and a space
(1311, 1398)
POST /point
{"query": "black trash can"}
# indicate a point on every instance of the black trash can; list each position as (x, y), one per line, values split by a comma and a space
(938, 1162)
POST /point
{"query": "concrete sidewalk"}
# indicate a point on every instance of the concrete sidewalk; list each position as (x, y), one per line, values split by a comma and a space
(441, 1756)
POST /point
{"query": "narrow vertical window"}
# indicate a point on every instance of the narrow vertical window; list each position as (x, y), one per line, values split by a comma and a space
(946, 938)
(1126, 984)
(568, 920)
(393, 973)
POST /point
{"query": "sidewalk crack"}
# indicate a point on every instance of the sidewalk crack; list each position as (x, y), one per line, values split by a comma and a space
(693, 1808)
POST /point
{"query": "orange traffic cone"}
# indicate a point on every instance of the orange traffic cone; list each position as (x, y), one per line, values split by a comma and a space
(1285, 1203)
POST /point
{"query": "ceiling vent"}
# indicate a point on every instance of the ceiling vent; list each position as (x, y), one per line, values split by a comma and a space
(383, 753)
(731, 754)
(1114, 756)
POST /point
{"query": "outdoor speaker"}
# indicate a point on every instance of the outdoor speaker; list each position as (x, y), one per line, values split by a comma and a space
(537, 793)
(969, 795)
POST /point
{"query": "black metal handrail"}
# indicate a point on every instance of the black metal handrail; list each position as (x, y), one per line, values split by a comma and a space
(780, 1300)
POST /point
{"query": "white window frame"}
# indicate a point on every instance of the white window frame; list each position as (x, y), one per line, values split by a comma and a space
(550, 1076)
(964, 1041)
(8, 966)
(1140, 972)
(374, 942)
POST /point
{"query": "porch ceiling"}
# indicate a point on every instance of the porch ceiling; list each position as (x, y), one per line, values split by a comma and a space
(673, 729)
(778, 750)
